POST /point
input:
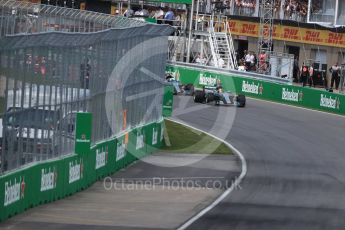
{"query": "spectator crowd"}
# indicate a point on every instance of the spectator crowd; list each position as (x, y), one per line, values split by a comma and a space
(295, 10)
(245, 7)
(283, 9)
(163, 15)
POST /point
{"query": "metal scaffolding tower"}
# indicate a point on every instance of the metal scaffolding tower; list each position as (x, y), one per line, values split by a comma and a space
(265, 40)
(209, 43)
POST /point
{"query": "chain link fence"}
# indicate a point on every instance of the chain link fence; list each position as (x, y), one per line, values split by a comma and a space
(56, 62)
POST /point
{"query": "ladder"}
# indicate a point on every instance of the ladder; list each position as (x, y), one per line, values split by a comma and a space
(231, 47)
(222, 48)
(213, 48)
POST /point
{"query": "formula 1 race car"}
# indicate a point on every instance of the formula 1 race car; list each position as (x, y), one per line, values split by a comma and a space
(216, 94)
(187, 89)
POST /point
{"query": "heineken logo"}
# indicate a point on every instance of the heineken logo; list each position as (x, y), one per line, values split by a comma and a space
(140, 141)
(14, 191)
(288, 95)
(154, 136)
(75, 171)
(121, 150)
(83, 141)
(101, 157)
(204, 80)
(329, 102)
(48, 178)
(252, 87)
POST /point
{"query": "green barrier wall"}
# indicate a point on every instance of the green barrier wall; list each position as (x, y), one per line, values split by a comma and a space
(282, 93)
(52, 180)
(168, 100)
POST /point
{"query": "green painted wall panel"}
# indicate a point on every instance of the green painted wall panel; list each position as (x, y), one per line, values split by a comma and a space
(168, 100)
(83, 133)
(311, 98)
(151, 134)
(48, 181)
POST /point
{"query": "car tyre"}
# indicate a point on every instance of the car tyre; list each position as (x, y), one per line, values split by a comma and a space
(199, 97)
(209, 98)
(241, 100)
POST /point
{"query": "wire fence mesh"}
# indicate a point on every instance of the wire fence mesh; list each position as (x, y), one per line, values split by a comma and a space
(25, 17)
(47, 77)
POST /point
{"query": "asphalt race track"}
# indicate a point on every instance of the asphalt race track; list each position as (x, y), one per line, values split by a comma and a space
(295, 178)
(296, 168)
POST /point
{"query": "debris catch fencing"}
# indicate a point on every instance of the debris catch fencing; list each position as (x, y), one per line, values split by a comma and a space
(56, 62)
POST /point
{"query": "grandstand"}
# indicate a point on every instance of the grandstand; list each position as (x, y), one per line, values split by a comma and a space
(310, 30)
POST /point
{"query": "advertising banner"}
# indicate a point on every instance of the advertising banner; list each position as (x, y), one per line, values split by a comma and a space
(290, 33)
(83, 133)
(56, 179)
(286, 94)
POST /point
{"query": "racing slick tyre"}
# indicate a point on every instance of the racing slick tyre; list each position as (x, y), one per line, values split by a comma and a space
(241, 100)
(209, 97)
(199, 96)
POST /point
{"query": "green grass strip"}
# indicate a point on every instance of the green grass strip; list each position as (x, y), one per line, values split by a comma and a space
(186, 140)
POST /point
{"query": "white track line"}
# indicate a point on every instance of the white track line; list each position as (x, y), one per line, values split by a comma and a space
(295, 106)
(226, 192)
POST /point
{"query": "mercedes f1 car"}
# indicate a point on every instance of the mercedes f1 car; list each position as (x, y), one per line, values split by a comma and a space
(212, 93)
